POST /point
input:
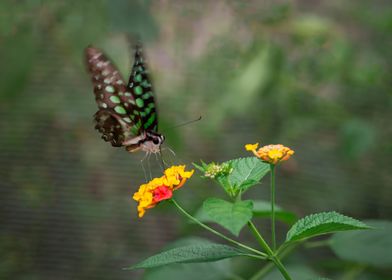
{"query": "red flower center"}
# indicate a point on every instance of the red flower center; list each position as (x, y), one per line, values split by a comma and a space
(162, 193)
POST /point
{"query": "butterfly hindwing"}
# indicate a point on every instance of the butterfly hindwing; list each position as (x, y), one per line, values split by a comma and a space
(110, 128)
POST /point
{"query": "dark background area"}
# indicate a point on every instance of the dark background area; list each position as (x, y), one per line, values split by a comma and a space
(313, 75)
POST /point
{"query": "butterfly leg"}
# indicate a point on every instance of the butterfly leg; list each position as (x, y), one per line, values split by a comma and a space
(172, 158)
(161, 162)
(148, 164)
(144, 170)
(174, 154)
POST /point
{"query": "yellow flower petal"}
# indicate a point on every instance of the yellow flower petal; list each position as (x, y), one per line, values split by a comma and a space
(275, 154)
(272, 154)
(141, 211)
(173, 178)
(187, 174)
(251, 147)
(171, 181)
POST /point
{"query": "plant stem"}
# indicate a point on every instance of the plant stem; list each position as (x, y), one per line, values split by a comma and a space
(272, 256)
(281, 253)
(260, 239)
(257, 252)
(281, 268)
(261, 273)
(354, 272)
(273, 235)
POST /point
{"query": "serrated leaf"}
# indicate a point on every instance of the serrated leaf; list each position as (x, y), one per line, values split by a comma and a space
(322, 223)
(247, 172)
(190, 254)
(262, 208)
(231, 215)
(191, 271)
(373, 247)
(187, 241)
(223, 181)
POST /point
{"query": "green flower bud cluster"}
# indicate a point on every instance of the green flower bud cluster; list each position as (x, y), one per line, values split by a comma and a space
(214, 170)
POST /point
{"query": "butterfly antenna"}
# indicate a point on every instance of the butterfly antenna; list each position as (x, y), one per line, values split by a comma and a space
(186, 123)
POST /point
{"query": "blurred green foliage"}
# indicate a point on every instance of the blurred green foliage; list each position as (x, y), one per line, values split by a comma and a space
(313, 75)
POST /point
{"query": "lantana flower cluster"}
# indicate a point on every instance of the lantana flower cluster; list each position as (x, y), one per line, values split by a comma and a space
(214, 170)
(159, 189)
(271, 154)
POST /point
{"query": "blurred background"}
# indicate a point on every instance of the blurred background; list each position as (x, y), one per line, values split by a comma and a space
(313, 75)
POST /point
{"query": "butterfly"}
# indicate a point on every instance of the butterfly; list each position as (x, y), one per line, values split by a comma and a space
(127, 115)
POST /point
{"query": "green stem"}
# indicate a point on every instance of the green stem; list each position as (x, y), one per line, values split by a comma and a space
(257, 252)
(261, 273)
(275, 260)
(260, 239)
(254, 256)
(281, 253)
(273, 235)
(354, 272)
(281, 268)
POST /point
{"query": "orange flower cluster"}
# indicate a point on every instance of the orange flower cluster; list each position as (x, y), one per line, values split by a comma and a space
(158, 189)
(271, 154)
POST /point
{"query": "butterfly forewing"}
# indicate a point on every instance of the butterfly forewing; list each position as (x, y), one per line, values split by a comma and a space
(115, 100)
(140, 86)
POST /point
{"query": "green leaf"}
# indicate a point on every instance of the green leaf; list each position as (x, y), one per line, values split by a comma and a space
(262, 209)
(223, 181)
(322, 223)
(190, 254)
(247, 172)
(191, 271)
(201, 168)
(373, 247)
(202, 216)
(231, 215)
(236, 175)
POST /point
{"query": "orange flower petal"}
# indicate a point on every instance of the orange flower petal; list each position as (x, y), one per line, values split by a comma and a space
(158, 189)
(272, 154)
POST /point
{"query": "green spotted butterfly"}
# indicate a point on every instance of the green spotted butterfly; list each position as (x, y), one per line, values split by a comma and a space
(127, 114)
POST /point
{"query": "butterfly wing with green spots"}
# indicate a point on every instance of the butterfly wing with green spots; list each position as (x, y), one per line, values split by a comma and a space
(126, 115)
(140, 86)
